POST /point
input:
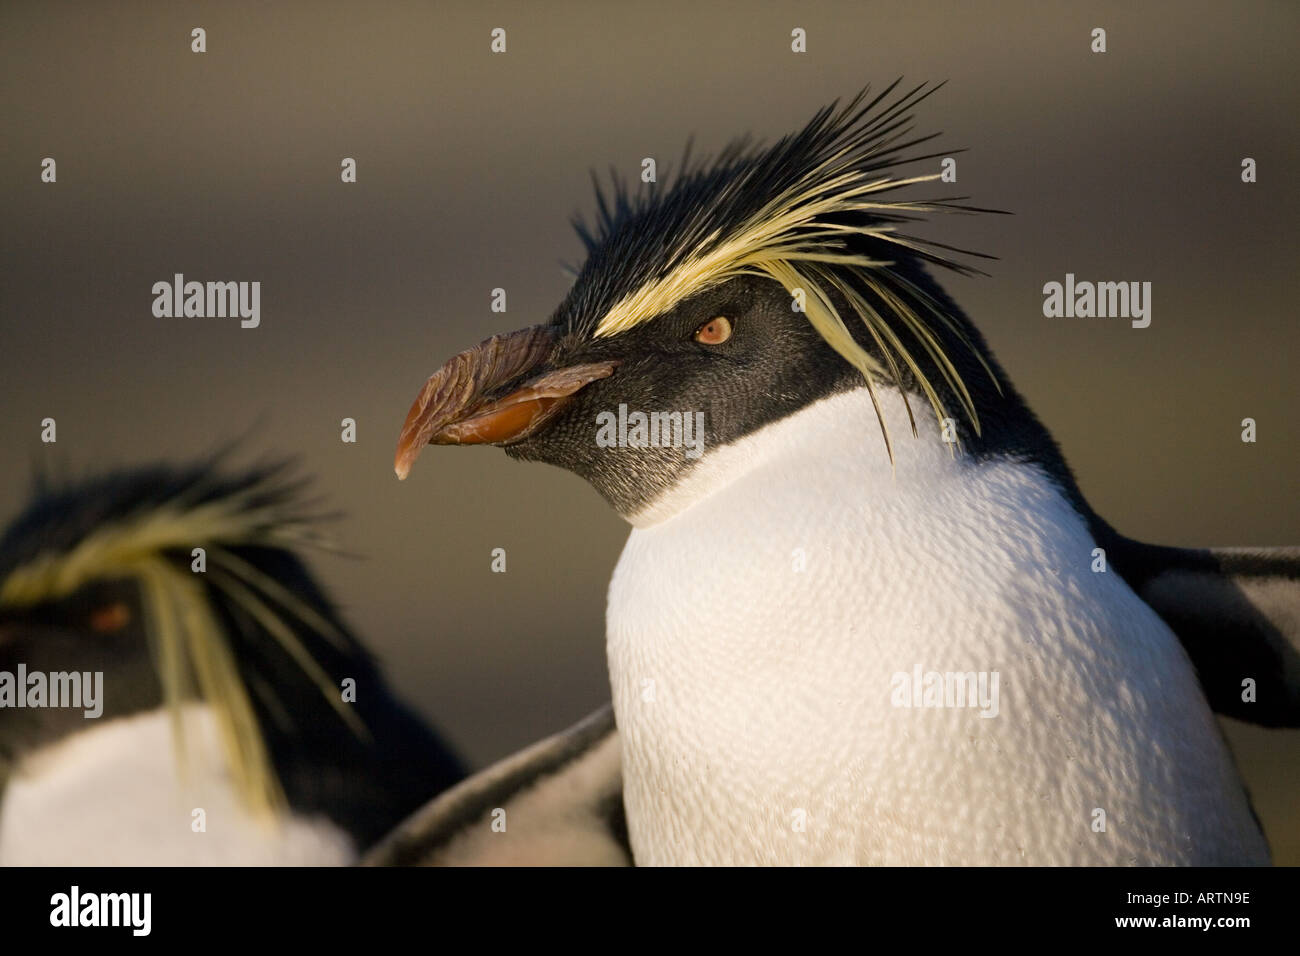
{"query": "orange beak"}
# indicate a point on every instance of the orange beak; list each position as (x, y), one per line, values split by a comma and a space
(458, 404)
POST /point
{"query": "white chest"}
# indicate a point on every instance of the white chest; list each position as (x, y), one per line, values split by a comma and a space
(112, 796)
(765, 625)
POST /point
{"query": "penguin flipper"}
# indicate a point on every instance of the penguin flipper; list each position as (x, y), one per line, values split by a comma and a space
(562, 800)
(1237, 613)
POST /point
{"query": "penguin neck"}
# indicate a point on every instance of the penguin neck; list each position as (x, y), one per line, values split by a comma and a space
(841, 428)
(116, 794)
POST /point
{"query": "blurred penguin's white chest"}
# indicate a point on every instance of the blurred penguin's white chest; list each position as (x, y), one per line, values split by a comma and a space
(113, 795)
(815, 661)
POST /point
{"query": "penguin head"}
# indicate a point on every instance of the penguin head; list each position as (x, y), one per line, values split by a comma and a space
(97, 628)
(177, 585)
(753, 285)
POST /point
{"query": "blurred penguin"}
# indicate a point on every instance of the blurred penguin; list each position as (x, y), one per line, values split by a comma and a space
(176, 688)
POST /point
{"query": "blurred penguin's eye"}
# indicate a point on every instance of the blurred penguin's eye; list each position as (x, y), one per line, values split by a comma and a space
(110, 617)
(714, 332)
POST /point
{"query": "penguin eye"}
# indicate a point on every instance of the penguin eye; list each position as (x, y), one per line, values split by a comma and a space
(714, 332)
(110, 617)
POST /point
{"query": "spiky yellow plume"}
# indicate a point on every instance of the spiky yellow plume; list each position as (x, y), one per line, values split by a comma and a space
(816, 192)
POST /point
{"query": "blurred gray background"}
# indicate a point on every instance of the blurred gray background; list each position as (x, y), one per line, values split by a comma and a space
(225, 166)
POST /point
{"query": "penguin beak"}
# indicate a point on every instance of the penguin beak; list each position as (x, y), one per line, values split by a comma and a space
(491, 395)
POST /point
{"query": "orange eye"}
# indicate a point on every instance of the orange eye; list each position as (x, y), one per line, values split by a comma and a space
(110, 617)
(714, 332)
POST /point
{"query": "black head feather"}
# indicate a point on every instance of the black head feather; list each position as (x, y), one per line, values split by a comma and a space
(638, 239)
